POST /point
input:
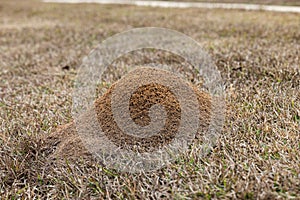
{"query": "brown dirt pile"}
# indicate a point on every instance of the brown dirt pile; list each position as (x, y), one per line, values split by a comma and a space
(66, 143)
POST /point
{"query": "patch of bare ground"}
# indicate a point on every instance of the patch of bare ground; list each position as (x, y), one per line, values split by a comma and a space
(65, 142)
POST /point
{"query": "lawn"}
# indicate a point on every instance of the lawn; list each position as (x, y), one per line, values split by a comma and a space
(265, 2)
(258, 54)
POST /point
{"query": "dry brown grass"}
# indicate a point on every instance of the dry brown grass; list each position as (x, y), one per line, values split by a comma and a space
(257, 156)
(265, 2)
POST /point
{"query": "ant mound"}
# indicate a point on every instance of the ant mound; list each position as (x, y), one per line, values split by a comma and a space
(66, 143)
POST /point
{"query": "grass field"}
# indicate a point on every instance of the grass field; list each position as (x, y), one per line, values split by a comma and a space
(265, 2)
(258, 54)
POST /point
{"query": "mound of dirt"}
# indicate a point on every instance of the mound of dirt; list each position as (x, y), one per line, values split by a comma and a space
(66, 143)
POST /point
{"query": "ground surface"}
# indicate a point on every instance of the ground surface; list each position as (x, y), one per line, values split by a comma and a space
(267, 2)
(257, 156)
